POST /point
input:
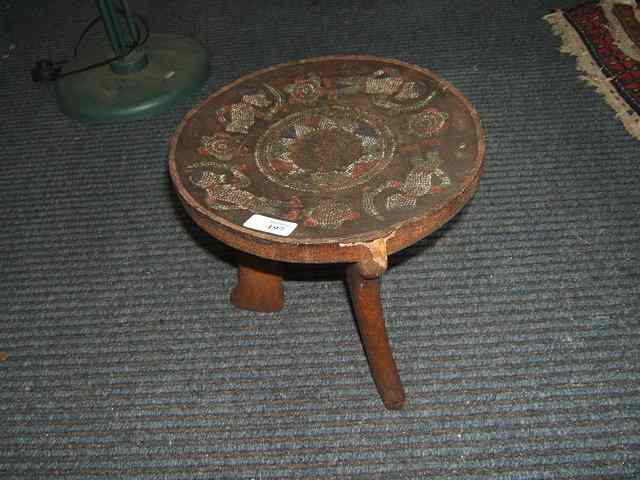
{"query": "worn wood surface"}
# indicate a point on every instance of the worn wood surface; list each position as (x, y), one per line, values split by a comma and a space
(365, 297)
(259, 286)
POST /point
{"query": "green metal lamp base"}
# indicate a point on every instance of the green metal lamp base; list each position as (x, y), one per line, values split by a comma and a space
(176, 67)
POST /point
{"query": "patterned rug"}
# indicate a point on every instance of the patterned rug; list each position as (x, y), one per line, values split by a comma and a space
(605, 38)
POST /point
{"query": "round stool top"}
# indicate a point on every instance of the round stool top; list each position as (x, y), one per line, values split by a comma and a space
(302, 160)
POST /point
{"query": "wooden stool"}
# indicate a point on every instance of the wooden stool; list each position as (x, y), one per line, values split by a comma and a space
(339, 159)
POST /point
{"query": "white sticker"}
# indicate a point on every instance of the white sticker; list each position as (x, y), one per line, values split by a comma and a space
(270, 225)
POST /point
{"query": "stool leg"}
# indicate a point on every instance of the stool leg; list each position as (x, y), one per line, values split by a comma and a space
(365, 295)
(259, 286)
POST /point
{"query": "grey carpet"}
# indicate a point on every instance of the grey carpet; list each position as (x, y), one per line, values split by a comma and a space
(515, 328)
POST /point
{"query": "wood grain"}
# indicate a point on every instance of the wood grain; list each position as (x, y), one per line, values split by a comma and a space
(365, 295)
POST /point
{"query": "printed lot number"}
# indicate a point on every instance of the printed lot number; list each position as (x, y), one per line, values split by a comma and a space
(274, 226)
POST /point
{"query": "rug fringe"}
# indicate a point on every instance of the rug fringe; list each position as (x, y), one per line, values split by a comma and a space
(572, 44)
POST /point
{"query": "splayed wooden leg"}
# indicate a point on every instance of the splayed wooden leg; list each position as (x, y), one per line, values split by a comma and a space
(259, 285)
(365, 295)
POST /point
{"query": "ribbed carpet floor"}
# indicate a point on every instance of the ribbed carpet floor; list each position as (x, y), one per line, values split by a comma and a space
(515, 328)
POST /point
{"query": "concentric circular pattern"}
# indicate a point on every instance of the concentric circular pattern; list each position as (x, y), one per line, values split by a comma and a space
(344, 147)
(325, 150)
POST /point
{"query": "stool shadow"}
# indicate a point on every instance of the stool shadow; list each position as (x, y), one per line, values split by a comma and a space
(420, 247)
(211, 245)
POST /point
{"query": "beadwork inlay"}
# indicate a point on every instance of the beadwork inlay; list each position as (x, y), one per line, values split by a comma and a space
(340, 147)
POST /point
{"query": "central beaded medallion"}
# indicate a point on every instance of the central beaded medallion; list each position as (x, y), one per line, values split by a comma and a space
(325, 149)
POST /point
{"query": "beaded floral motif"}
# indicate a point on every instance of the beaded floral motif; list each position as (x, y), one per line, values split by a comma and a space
(329, 214)
(221, 146)
(239, 117)
(418, 182)
(305, 90)
(427, 123)
(225, 187)
(391, 91)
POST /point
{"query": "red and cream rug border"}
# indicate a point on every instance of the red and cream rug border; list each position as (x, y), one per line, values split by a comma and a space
(586, 49)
